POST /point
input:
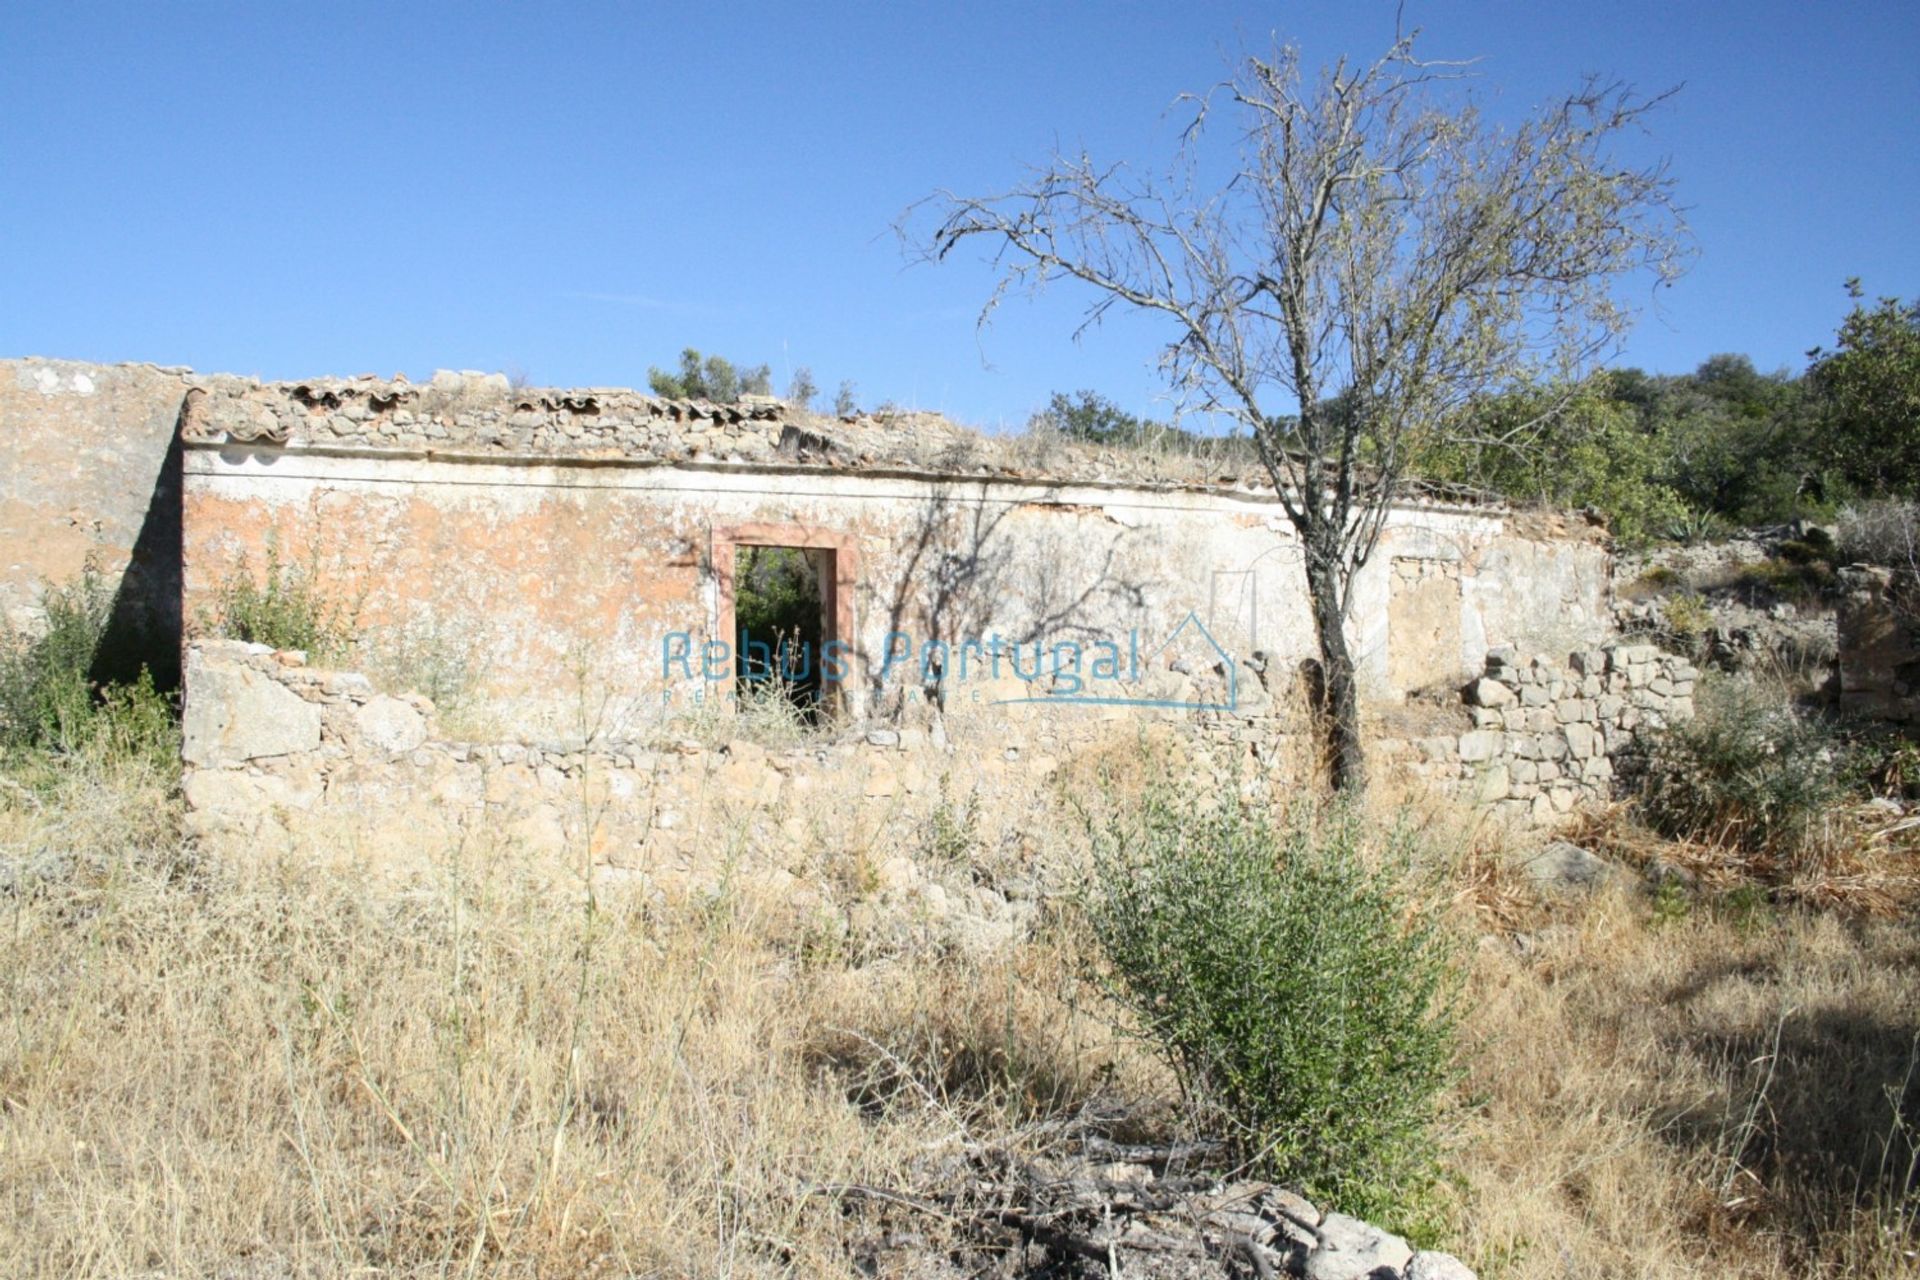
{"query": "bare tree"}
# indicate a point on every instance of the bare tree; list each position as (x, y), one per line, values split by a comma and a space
(1376, 257)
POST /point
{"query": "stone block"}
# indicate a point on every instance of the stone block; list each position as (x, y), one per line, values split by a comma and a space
(1349, 1249)
(1430, 1265)
(390, 725)
(1562, 868)
(1489, 693)
(239, 794)
(233, 714)
(1582, 742)
(1480, 744)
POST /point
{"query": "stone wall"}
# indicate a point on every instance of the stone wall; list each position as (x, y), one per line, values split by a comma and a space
(1548, 738)
(554, 533)
(287, 758)
(877, 829)
(1880, 644)
(87, 470)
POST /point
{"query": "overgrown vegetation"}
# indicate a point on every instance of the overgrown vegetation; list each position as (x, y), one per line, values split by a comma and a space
(1751, 772)
(1675, 456)
(1306, 1004)
(485, 1070)
(1664, 457)
(50, 699)
(1869, 386)
(428, 656)
(777, 607)
(286, 606)
(1883, 531)
(714, 378)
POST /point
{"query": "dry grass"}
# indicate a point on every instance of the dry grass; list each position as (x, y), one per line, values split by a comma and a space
(274, 1072)
(279, 1073)
(1703, 1097)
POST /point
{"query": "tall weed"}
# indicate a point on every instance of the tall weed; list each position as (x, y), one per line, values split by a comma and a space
(287, 607)
(49, 700)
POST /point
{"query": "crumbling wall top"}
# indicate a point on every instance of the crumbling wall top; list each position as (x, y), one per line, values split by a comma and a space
(468, 414)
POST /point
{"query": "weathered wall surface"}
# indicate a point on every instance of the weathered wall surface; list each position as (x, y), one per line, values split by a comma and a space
(563, 580)
(1879, 644)
(286, 758)
(88, 470)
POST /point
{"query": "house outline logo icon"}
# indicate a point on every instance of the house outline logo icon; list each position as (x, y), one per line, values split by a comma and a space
(1192, 620)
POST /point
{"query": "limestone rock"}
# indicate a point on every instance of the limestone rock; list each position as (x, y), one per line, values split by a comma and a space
(1489, 693)
(1429, 1265)
(234, 714)
(390, 725)
(1350, 1249)
(1480, 744)
(1494, 784)
(1564, 869)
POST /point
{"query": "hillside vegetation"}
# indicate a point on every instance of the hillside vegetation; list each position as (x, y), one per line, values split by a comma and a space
(1661, 456)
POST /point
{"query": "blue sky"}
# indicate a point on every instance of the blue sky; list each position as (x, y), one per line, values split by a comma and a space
(578, 191)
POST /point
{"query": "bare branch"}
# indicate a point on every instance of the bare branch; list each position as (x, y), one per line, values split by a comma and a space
(1381, 257)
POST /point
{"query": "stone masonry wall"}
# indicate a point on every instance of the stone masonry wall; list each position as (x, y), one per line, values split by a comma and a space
(286, 758)
(535, 566)
(1879, 644)
(1548, 738)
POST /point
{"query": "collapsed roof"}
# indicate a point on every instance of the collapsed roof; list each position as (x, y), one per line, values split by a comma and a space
(468, 415)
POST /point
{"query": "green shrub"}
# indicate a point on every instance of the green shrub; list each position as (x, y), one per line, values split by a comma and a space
(1659, 577)
(1303, 1001)
(1815, 548)
(1800, 581)
(287, 610)
(48, 698)
(1688, 619)
(1748, 771)
(1694, 526)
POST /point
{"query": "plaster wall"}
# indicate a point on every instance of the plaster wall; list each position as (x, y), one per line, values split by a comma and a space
(581, 585)
(88, 469)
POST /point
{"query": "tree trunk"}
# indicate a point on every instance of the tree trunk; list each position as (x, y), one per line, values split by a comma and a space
(1346, 757)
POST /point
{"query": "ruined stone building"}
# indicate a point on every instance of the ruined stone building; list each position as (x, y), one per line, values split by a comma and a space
(561, 572)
